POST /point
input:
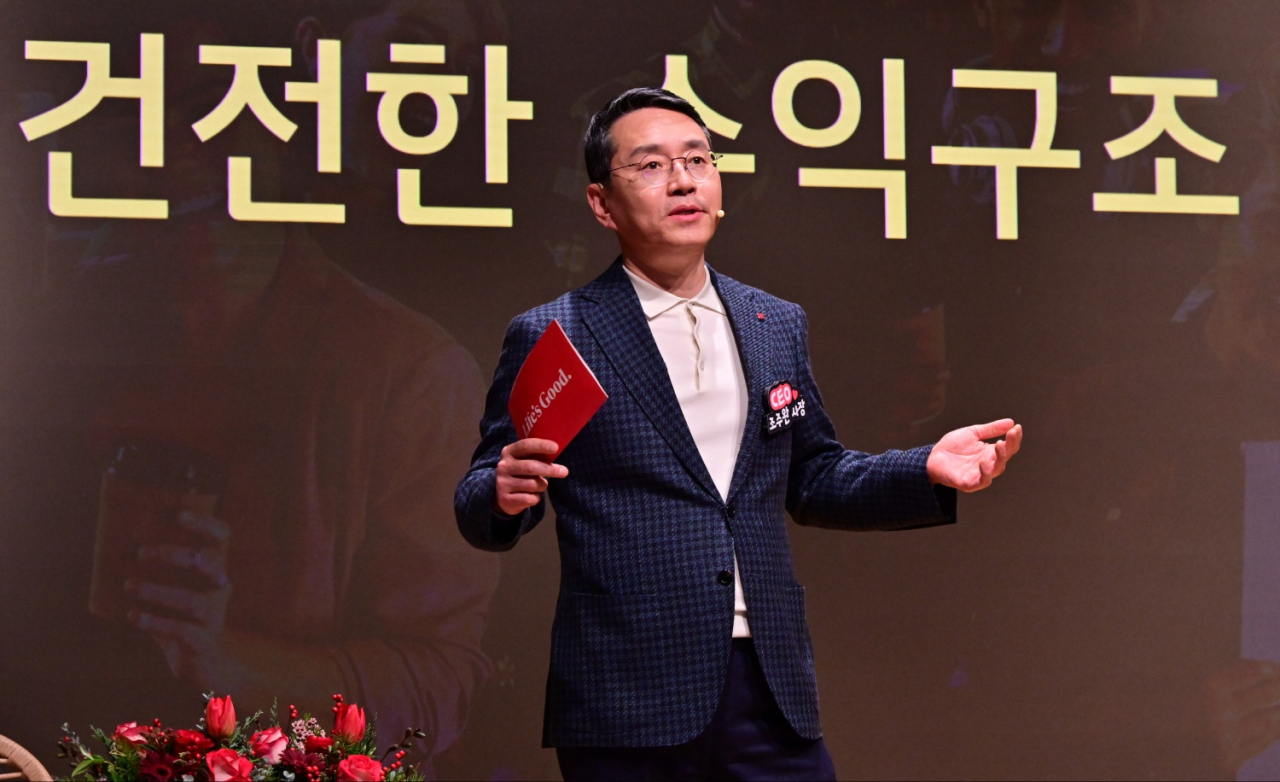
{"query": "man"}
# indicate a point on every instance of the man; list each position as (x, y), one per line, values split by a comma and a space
(670, 501)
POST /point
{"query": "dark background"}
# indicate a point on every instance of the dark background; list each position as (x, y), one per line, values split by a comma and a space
(1067, 627)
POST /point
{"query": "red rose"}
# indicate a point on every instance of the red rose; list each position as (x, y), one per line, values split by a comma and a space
(319, 744)
(191, 741)
(269, 744)
(131, 733)
(360, 768)
(348, 722)
(220, 718)
(227, 766)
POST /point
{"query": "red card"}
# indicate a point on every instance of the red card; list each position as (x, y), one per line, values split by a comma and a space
(555, 393)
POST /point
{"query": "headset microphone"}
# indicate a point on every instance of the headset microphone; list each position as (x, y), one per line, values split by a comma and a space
(720, 213)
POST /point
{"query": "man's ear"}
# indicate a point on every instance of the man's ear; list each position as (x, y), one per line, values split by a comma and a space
(305, 36)
(598, 199)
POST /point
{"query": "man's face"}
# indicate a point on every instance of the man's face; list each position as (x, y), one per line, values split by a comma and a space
(653, 219)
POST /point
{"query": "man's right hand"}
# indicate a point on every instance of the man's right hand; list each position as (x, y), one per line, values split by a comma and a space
(522, 476)
(1244, 710)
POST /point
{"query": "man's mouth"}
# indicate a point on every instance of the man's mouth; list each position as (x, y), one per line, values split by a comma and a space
(685, 212)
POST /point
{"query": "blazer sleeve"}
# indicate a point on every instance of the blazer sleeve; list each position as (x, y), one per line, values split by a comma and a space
(473, 501)
(831, 486)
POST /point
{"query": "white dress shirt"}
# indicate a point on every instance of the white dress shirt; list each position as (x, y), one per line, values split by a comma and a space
(696, 341)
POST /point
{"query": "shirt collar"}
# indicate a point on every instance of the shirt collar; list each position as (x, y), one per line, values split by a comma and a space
(655, 301)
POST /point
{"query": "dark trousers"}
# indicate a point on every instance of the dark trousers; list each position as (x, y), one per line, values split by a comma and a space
(748, 738)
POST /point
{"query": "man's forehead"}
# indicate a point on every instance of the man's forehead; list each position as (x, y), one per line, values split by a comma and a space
(656, 130)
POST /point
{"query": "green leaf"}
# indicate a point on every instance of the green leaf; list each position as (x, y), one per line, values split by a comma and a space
(87, 764)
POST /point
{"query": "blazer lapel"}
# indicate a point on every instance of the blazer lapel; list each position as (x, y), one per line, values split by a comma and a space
(753, 348)
(619, 326)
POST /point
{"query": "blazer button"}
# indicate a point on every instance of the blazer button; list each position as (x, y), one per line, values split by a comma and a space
(725, 578)
(730, 511)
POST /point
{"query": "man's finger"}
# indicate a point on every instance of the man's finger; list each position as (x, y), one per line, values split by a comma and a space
(532, 446)
(1001, 463)
(525, 468)
(1241, 676)
(972, 482)
(206, 561)
(516, 503)
(1259, 731)
(183, 557)
(159, 625)
(1013, 440)
(173, 598)
(1262, 696)
(534, 485)
(208, 527)
(988, 462)
(993, 429)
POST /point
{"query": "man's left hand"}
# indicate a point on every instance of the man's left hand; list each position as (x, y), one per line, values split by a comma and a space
(964, 460)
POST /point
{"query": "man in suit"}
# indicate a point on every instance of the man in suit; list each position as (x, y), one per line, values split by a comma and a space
(680, 648)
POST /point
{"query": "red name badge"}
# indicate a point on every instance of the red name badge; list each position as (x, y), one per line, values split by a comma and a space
(555, 393)
(785, 407)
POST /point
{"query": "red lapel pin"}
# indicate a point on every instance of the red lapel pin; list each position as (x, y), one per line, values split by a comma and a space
(760, 315)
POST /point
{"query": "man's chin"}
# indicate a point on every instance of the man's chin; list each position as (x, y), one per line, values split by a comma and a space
(691, 235)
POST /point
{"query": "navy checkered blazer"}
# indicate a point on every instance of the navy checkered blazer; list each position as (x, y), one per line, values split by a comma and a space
(645, 615)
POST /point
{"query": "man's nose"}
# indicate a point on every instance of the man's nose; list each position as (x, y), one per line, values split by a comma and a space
(681, 180)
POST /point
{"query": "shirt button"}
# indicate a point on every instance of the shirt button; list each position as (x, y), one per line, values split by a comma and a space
(725, 578)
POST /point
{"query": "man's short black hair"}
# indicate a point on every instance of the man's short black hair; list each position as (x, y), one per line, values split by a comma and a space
(598, 145)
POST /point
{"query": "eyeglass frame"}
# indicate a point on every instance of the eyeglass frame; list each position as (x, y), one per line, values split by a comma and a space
(713, 156)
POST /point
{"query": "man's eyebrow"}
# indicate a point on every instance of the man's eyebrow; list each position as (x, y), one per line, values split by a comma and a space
(699, 143)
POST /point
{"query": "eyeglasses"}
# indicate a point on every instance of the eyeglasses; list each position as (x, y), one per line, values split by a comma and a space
(656, 168)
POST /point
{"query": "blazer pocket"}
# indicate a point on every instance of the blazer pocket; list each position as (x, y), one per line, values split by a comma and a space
(626, 662)
(794, 601)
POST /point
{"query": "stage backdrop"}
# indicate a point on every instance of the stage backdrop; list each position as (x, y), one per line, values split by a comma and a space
(257, 259)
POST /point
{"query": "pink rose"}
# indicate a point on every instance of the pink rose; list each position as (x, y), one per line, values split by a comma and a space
(360, 768)
(131, 733)
(348, 722)
(220, 718)
(226, 766)
(269, 744)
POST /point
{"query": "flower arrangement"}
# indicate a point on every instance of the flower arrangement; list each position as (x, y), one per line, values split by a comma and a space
(221, 749)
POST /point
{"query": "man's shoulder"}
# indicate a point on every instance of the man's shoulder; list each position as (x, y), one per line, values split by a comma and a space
(563, 308)
(568, 307)
(768, 304)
